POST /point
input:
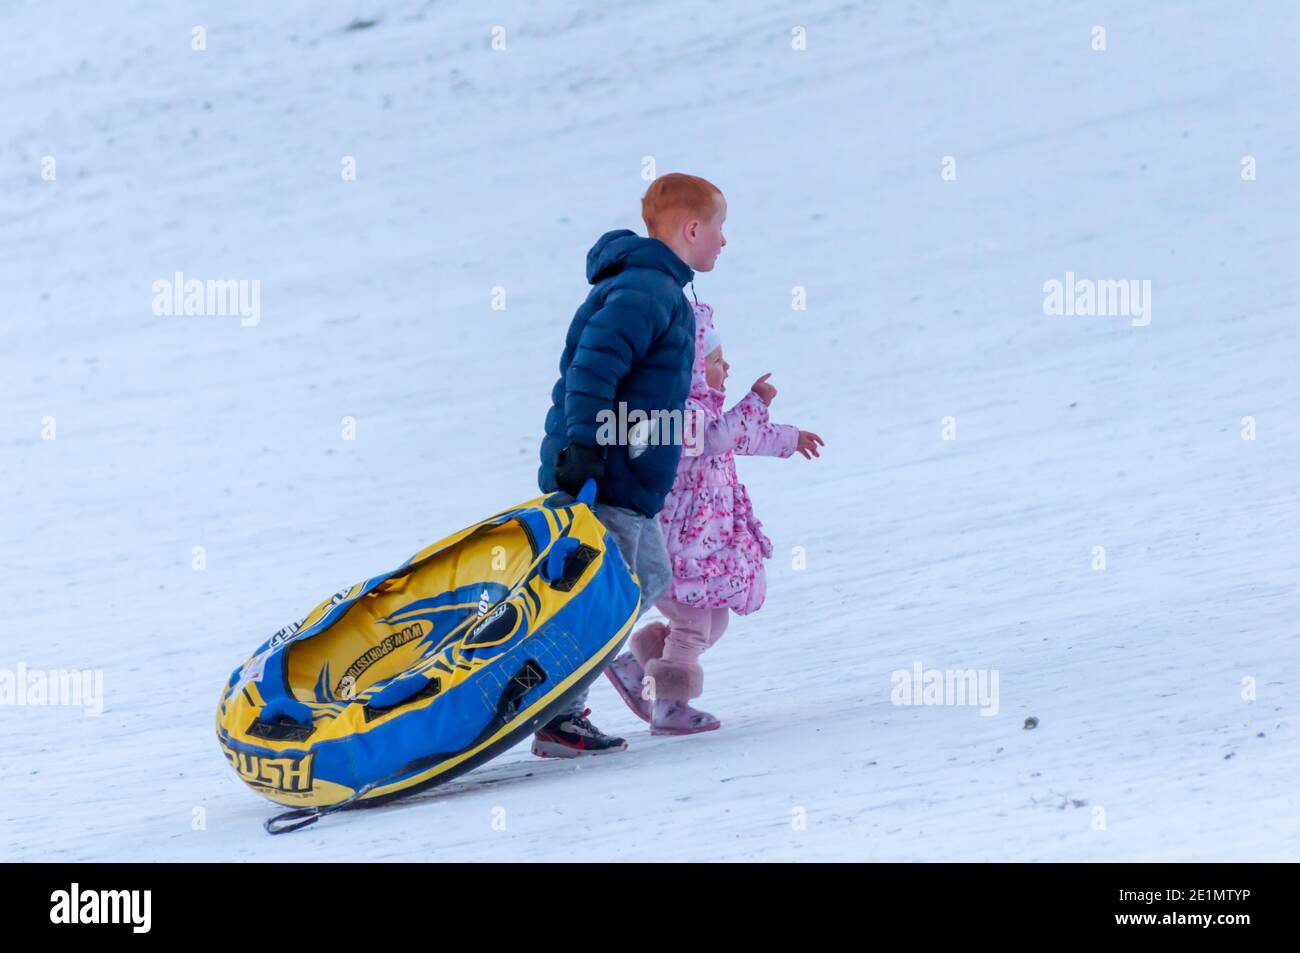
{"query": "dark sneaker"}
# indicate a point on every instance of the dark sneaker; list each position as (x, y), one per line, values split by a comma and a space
(572, 736)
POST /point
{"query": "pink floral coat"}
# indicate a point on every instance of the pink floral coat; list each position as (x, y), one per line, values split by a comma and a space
(715, 542)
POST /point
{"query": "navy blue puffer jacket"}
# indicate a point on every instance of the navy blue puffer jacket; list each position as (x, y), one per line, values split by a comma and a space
(631, 342)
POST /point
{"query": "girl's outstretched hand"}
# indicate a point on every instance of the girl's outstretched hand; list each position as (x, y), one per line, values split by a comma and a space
(765, 391)
(808, 443)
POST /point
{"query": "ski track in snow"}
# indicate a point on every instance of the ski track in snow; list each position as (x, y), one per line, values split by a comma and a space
(479, 169)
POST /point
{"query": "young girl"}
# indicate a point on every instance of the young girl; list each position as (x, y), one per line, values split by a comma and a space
(715, 543)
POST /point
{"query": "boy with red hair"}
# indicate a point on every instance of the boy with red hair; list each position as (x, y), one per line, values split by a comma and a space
(630, 347)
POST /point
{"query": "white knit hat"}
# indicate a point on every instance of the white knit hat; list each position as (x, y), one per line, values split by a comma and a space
(711, 341)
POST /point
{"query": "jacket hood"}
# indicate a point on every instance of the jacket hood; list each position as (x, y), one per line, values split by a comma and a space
(622, 249)
(709, 397)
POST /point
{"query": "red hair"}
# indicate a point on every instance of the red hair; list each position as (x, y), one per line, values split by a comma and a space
(675, 198)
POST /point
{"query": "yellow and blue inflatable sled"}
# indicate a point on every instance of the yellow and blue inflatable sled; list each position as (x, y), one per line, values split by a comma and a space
(415, 676)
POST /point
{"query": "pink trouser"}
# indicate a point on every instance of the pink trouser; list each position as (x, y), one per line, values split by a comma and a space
(690, 630)
(670, 654)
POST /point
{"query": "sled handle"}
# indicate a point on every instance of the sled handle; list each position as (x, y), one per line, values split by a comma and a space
(285, 709)
(566, 562)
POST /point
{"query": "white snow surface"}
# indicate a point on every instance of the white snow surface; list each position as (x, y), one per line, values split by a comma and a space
(1164, 684)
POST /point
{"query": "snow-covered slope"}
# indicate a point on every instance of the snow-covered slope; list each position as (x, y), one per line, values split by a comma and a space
(1165, 684)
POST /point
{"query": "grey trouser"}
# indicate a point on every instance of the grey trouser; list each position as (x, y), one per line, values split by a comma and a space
(641, 540)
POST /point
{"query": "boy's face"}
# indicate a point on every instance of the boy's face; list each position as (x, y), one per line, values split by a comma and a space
(705, 240)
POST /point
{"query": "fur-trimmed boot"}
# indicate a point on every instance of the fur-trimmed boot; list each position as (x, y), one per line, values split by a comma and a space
(675, 683)
(647, 642)
(628, 670)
